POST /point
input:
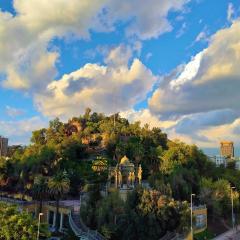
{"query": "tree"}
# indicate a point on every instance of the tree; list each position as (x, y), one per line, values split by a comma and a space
(177, 154)
(16, 225)
(108, 214)
(217, 196)
(40, 190)
(39, 136)
(146, 209)
(58, 186)
(6, 171)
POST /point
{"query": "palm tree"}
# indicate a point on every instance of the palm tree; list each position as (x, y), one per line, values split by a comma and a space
(58, 185)
(40, 190)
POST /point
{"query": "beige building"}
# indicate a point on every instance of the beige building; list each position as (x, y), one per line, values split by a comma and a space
(227, 149)
(3, 146)
(124, 177)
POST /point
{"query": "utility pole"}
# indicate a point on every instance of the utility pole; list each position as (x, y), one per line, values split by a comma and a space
(233, 219)
(39, 221)
(192, 195)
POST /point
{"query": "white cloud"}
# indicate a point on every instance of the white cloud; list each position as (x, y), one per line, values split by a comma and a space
(182, 30)
(202, 96)
(106, 89)
(210, 81)
(26, 59)
(146, 117)
(148, 56)
(228, 131)
(202, 36)
(19, 132)
(119, 56)
(14, 112)
(25, 37)
(148, 19)
(230, 12)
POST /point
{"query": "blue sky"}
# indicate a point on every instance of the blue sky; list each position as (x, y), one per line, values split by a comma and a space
(168, 63)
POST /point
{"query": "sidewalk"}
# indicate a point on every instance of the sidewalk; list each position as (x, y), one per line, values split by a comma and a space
(231, 234)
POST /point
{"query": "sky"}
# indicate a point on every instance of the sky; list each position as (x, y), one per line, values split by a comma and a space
(173, 64)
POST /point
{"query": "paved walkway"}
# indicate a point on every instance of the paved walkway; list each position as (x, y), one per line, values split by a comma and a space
(230, 235)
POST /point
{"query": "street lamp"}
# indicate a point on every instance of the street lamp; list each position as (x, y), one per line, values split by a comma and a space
(192, 195)
(233, 220)
(39, 220)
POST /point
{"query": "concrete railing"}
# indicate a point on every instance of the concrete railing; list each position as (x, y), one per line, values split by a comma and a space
(78, 232)
(84, 231)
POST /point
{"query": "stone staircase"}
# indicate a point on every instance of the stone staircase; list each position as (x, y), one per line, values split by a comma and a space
(81, 230)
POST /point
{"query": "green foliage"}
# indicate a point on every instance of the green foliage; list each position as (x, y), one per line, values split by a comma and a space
(177, 154)
(40, 190)
(217, 195)
(16, 225)
(204, 235)
(138, 217)
(87, 145)
(58, 186)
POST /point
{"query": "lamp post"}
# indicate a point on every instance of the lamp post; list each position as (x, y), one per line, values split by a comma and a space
(233, 220)
(192, 195)
(39, 221)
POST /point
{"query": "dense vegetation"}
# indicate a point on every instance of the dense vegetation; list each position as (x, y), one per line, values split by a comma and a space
(15, 225)
(67, 158)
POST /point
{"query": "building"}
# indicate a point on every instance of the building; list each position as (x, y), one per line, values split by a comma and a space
(227, 149)
(124, 177)
(237, 163)
(3, 146)
(218, 160)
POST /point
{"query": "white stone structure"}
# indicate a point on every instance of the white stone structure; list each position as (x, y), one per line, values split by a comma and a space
(219, 160)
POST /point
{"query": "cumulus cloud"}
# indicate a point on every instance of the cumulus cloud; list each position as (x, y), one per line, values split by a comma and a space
(119, 56)
(148, 20)
(206, 119)
(218, 133)
(105, 88)
(19, 132)
(26, 58)
(146, 117)
(203, 95)
(29, 63)
(210, 81)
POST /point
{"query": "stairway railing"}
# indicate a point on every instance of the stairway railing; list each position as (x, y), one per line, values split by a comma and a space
(85, 231)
